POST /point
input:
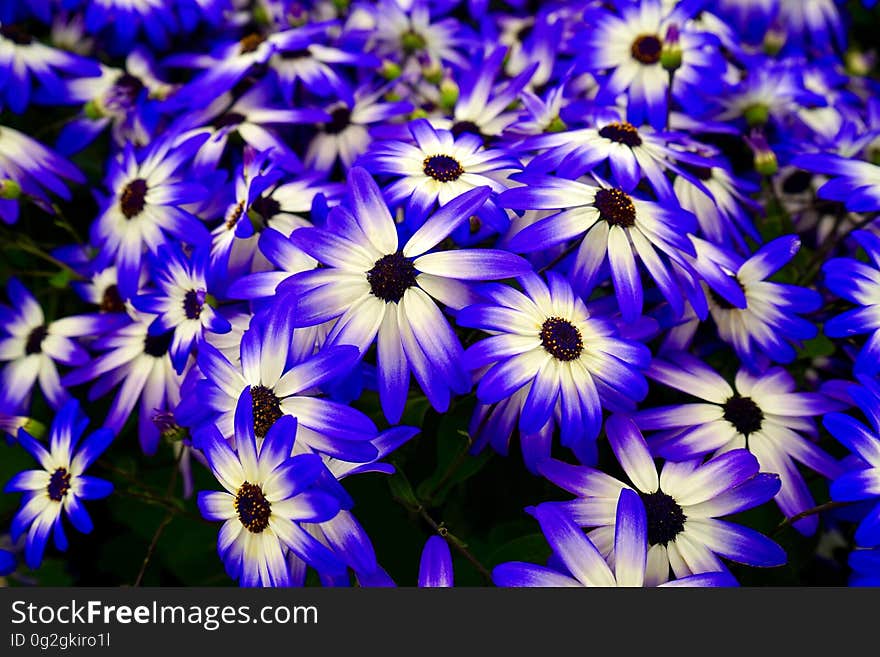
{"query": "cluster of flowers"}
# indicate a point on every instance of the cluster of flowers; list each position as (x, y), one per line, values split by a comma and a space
(555, 208)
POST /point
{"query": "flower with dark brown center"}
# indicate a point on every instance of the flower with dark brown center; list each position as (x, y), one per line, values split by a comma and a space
(391, 276)
(133, 198)
(228, 119)
(744, 414)
(461, 127)
(616, 207)
(265, 207)
(252, 507)
(340, 119)
(665, 517)
(561, 339)
(442, 168)
(647, 48)
(34, 343)
(250, 43)
(622, 133)
(59, 484)
(266, 408)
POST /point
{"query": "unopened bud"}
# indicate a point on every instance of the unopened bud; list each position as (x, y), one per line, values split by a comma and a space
(433, 73)
(765, 159)
(92, 110)
(390, 70)
(671, 53)
(448, 93)
(756, 115)
(9, 189)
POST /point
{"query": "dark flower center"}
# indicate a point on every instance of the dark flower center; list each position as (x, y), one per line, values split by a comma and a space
(665, 517)
(442, 168)
(460, 127)
(157, 345)
(133, 198)
(17, 34)
(192, 303)
(615, 207)
(250, 43)
(111, 302)
(391, 276)
(266, 207)
(744, 414)
(621, 132)
(797, 182)
(340, 119)
(561, 339)
(646, 49)
(701, 173)
(35, 339)
(228, 119)
(301, 53)
(252, 507)
(267, 410)
(723, 303)
(59, 484)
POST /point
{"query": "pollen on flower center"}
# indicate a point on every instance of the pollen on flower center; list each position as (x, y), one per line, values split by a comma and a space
(615, 207)
(59, 484)
(665, 517)
(647, 48)
(266, 408)
(193, 301)
(340, 119)
(252, 507)
(561, 339)
(442, 168)
(34, 343)
(133, 198)
(235, 215)
(111, 302)
(17, 34)
(157, 345)
(621, 132)
(391, 276)
(250, 43)
(744, 414)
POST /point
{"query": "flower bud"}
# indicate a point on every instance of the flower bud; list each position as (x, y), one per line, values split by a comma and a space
(671, 53)
(9, 189)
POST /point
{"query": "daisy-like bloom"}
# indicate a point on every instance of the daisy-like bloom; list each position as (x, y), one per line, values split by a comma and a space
(123, 99)
(570, 360)
(410, 35)
(148, 190)
(859, 283)
(624, 45)
(346, 135)
(484, 108)
(854, 182)
(538, 114)
(24, 60)
(440, 167)
(233, 244)
(531, 40)
(763, 414)
(862, 481)
(268, 494)
(181, 301)
(581, 564)
(683, 502)
(227, 63)
(435, 564)
(631, 153)
(310, 60)
(255, 117)
(284, 379)
(614, 226)
(27, 168)
(31, 347)
(130, 356)
(59, 487)
(384, 292)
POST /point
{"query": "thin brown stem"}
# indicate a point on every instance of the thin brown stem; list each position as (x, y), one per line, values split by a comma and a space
(828, 506)
(152, 548)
